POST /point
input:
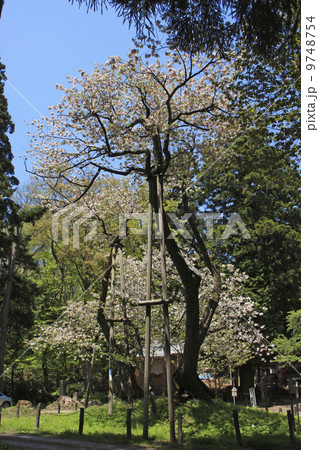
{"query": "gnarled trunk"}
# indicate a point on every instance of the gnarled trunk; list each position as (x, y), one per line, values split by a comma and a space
(186, 374)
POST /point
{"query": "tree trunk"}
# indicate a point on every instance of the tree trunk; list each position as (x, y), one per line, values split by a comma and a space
(45, 370)
(89, 379)
(4, 311)
(247, 372)
(125, 384)
(186, 374)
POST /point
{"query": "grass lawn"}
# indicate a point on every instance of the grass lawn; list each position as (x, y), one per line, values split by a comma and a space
(205, 425)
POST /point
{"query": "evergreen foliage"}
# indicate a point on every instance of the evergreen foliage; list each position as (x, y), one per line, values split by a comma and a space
(258, 178)
(204, 25)
(8, 181)
(290, 346)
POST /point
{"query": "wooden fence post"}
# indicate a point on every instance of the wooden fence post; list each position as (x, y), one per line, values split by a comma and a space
(291, 426)
(0, 413)
(18, 410)
(59, 406)
(37, 416)
(236, 424)
(129, 423)
(81, 422)
(180, 428)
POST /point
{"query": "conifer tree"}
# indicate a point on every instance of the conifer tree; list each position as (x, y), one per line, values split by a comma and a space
(259, 178)
(8, 219)
(8, 181)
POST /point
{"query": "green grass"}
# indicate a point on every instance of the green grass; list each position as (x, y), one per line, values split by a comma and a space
(204, 425)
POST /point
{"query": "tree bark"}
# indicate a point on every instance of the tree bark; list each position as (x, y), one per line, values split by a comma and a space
(186, 374)
(89, 379)
(246, 373)
(45, 371)
(4, 311)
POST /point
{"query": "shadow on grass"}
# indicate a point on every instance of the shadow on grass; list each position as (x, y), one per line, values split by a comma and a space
(205, 426)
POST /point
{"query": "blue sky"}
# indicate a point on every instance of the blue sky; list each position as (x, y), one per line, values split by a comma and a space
(43, 41)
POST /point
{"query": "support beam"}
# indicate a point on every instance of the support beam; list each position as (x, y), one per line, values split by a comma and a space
(153, 302)
(111, 336)
(147, 355)
(167, 349)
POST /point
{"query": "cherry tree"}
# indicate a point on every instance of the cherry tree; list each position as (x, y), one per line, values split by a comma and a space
(76, 332)
(232, 339)
(234, 335)
(144, 116)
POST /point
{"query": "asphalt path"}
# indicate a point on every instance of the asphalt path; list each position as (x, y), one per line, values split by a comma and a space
(25, 441)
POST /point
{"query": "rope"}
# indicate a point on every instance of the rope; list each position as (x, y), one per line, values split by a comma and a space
(48, 414)
(33, 412)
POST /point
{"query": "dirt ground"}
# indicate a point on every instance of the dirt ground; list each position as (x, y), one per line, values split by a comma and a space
(283, 407)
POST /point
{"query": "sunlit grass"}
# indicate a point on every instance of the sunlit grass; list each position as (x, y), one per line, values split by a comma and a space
(205, 425)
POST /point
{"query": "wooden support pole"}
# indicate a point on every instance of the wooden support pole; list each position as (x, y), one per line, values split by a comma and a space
(291, 426)
(297, 414)
(81, 421)
(180, 429)
(18, 410)
(167, 349)
(147, 355)
(122, 284)
(297, 406)
(153, 302)
(169, 375)
(291, 403)
(89, 373)
(0, 413)
(125, 328)
(237, 429)
(59, 406)
(111, 336)
(37, 416)
(129, 423)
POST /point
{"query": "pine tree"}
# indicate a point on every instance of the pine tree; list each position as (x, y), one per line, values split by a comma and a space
(204, 25)
(8, 181)
(259, 178)
(8, 220)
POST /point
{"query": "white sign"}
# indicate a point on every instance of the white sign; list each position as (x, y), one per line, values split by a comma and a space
(252, 395)
(234, 392)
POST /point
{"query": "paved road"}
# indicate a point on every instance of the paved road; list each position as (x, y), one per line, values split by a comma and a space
(24, 441)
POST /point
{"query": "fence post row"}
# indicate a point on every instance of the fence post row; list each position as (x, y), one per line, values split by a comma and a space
(81, 421)
(37, 416)
(291, 426)
(237, 429)
(129, 423)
